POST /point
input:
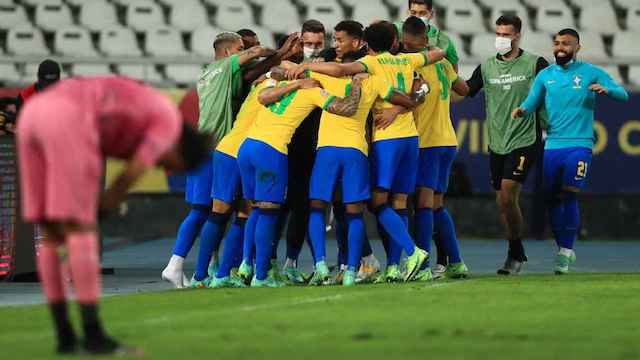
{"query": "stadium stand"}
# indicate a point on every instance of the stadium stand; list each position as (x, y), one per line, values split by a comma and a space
(90, 69)
(183, 74)
(143, 37)
(10, 73)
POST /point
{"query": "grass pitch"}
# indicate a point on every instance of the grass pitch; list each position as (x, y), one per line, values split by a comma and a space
(579, 316)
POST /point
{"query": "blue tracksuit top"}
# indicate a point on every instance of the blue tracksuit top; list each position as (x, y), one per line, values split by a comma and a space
(569, 102)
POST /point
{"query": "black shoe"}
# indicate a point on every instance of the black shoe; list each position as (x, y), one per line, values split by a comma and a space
(511, 267)
(67, 347)
(102, 346)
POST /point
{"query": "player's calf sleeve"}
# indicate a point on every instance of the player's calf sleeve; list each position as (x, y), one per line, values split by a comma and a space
(384, 236)
(91, 324)
(556, 216)
(64, 330)
(355, 224)
(317, 226)
(85, 266)
(265, 234)
(50, 273)
(395, 227)
(248, 247)
(232, 248)
(341, 233)
(189, 230)
(395, 253)
(571, 221)
(404, 215)
(210, 238)
(444, 225)
(424, 230)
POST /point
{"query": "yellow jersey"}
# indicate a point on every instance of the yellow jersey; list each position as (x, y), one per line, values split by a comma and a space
(247, 114)
(276, 123)
(433, 118)
(340, 131)
(398, 71)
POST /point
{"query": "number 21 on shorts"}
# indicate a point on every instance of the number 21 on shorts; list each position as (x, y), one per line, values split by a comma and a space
(582, 169)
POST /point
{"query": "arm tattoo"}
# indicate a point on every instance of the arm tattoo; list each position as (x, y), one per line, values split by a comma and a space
(347, 106)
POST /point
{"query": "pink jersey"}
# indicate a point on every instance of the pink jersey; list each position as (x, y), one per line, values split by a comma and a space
(65, 133)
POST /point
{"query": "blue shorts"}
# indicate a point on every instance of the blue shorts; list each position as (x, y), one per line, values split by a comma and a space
(567, 167)
(226, 178)
(199, 182)
(434, 167)
(264, 171)
(334, 163)
(394, 164)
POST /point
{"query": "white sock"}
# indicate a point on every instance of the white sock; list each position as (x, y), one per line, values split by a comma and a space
(289, 263)
(176, 262)
(565, 252)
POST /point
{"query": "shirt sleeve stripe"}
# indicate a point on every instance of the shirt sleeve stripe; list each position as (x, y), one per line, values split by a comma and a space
(366, 68)
(328, 103)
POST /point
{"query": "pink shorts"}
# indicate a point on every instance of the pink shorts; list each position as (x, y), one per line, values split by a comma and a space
(60, 161)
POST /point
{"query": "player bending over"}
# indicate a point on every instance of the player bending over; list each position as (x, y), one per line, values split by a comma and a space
(568, 90)
(65, 135)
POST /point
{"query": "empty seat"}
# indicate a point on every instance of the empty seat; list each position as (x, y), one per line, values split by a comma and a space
(593, 49)
(202, 40)
(189, 16)
(281, 16)
(464, 17)
(634, 74)
(553, 17)
(627, 4)
(147, 73)
(34, 3)
(97, 15)
(234, 15)
(483, 46)
(466, 71)
(144, 14)
(328, 12)
(6, 2)
(174, 3)
(369, 11)
(496, 3)
(119, 41)
(633, 18)
(9, 73)
(513, 8)
(26, 40)
(90, 69)
(599, 18)
(51, 17)
(539, 43)
(184, 74)
(11, 16)
(30, 73)
(165, 41)
(626, 47)
(74, 41)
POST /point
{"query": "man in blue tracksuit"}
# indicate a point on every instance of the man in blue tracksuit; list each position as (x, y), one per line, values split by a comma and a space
(568, 90)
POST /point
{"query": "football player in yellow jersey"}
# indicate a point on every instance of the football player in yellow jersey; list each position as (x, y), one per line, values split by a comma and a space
(438, 146)
(342, 157)
(263, 157)
(394, 155)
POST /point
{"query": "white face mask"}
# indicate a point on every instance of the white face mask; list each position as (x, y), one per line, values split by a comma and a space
(425, 20)
(503, 45)
(310, 53)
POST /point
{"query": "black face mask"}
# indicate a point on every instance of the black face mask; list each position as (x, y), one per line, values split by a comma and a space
(563, 60)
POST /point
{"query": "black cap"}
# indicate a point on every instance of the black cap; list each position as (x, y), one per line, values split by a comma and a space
(48, 73)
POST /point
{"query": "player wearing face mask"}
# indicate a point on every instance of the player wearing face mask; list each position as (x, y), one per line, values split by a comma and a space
(424, 10)
(513, 145)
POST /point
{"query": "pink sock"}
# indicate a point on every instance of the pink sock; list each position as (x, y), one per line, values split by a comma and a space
(85, 266)
(50, 272)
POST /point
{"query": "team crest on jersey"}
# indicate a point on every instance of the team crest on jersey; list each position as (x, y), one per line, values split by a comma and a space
(577, 80)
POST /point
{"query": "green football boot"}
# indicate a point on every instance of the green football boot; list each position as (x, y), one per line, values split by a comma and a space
(424, 275)
(227, 282)
(457, 271)
(269, 282)
(245, 272)
(349, 278)
(391, 274)
(321, 275)
(563, 262)
(201, 284)
(414, 262)
(293, 275)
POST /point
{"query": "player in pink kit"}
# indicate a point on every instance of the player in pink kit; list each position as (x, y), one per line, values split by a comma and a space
(64, 135)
